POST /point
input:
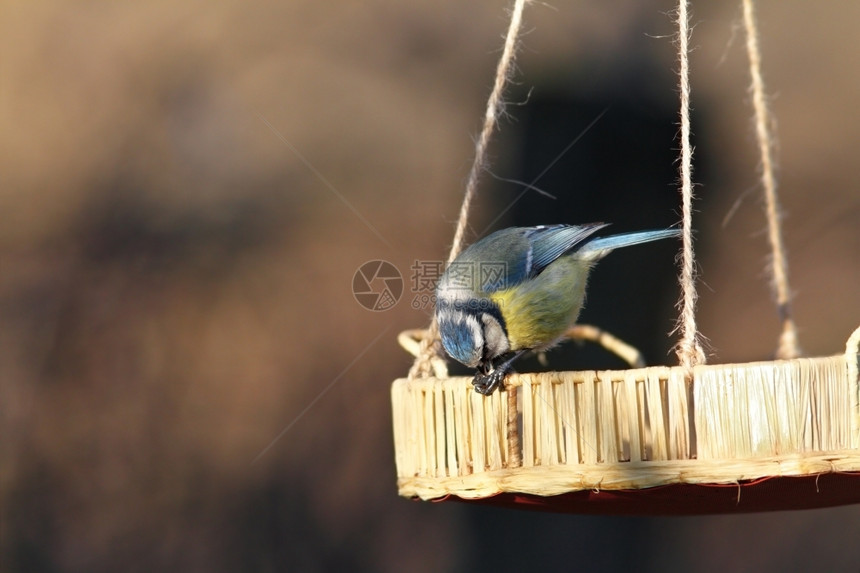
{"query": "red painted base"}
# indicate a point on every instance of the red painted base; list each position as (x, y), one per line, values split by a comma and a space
(765, 494)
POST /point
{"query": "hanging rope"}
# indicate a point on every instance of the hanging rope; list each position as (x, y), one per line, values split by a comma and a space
(689, 349)
(495, 104)
(430, 348)
(788, 344)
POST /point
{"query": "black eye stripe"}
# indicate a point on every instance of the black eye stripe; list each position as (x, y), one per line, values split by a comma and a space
(479, 306)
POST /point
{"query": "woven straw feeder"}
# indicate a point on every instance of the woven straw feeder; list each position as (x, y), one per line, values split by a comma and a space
(689, 439)
(733, 437)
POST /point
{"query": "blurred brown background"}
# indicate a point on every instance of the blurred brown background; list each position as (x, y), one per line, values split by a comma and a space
(188, 188)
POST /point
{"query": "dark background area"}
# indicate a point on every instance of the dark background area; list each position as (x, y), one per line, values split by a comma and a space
(186, 380)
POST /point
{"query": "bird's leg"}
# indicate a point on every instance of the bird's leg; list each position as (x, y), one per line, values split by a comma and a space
(486, 382)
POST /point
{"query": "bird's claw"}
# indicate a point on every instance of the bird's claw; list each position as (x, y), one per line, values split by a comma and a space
(486, 384)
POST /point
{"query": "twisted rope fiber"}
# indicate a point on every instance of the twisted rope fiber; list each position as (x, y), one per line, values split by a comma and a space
(689, 349)
(430, 349)
(788, 343)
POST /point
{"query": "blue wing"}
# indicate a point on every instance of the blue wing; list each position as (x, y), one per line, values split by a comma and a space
(514, 255)
(549, 243)
(534, 250)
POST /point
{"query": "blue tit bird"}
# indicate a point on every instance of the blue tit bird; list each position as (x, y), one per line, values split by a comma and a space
(519, 289)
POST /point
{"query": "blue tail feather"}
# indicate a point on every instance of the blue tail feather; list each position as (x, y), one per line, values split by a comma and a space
(602, 246)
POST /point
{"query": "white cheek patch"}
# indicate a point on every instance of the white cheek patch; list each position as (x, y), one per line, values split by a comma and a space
(496, 341)
(477, 336)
